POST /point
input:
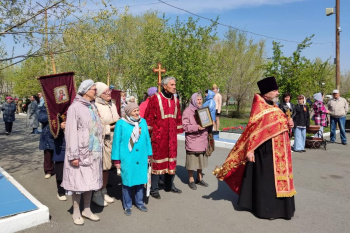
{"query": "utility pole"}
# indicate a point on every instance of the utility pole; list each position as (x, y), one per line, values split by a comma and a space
(337, 43)
(47, 44)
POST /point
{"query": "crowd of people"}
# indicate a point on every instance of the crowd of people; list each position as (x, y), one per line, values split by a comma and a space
(334, 112)
(141, 144)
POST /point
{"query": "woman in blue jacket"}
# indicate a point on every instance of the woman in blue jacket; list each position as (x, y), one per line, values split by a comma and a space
(210, 102)
(131, 151)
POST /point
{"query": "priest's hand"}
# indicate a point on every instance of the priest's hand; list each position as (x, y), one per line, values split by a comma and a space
(75, 162)
(63, 125)
(290, 123)
(251, 157)
(117, 165)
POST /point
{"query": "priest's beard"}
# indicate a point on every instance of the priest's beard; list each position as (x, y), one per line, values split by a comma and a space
(275, 100)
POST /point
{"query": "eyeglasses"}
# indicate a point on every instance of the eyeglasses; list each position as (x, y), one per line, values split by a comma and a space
(108, 92)
(95, 89)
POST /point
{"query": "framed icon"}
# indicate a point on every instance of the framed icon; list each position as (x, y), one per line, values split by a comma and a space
(61, 94)
(203, 117)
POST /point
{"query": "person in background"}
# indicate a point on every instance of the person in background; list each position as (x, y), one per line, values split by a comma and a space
(320, 113)
(8, 109)
(19, 106)
(196, 142)
(131, 152)
(286, 104)
(132, 99)
(218, 103)
(338, 108)
(301, 122)
(144, 98)
(150, 92)
(46, 142)
(210, 102)
(82, 172)
(123, 103)
(109, 116)
(32, 114)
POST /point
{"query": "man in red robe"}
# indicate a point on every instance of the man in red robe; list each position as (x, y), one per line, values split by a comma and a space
(163, 116)
(259, 167)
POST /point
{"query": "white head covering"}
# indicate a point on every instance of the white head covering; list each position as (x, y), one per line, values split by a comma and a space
(101, 87)
(335, 91)
(85, 86)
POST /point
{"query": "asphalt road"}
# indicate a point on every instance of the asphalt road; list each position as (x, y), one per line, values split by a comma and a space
(322, 180)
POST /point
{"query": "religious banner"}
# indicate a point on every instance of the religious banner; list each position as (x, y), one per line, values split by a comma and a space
(59, 93)
(115, 95)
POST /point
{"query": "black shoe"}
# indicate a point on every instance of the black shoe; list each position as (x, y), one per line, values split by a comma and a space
(331, 141)
(344, 143)
(7, 133)
(174, 190)
(156, 195)
(202, 182)
(299, 151)
(192, 185)
(143, 208)
(303, 150)
(127, 212)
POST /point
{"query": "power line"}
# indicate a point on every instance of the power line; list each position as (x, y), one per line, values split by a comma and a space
(238, 29)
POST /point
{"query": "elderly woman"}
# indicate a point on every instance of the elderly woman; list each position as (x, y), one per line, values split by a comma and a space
(196, 142)
(301, 122)
(8, 109)
(131, 151)
(320, 111)
(82, 172)
(32, 116)
(109, 116)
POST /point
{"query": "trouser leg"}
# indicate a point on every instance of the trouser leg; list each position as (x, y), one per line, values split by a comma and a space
(139, 189)
(48, 163)
(59, 177)
(168, 181)
(333, 129)
(127, 199)
(154, 183)
(342, 129)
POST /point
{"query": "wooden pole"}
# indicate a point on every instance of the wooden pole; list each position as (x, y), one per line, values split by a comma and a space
(337, 43)
(53, 64)
(108, 79)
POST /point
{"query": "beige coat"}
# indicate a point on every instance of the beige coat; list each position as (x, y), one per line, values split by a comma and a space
(108, 114)
(338, 107)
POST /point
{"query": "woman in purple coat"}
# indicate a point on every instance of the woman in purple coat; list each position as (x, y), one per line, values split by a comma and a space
(196, 142)
(82, 172)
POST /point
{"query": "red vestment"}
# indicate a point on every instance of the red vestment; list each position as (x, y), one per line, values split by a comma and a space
(143, 107)
(163, 116)
(266, 122)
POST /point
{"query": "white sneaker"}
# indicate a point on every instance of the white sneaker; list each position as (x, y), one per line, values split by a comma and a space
(98, 199)
(107, 198)
(61, 198)
(47, 176)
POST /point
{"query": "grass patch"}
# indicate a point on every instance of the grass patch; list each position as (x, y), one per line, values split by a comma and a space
(229, 122)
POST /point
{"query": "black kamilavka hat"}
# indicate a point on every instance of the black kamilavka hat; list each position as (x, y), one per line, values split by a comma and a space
(267, 84)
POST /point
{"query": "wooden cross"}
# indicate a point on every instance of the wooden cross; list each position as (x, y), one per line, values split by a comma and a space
(160, 70)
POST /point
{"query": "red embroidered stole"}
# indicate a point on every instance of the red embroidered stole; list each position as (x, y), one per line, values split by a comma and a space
(265, 122)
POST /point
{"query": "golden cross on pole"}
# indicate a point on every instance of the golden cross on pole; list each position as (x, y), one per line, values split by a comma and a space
(160, 70)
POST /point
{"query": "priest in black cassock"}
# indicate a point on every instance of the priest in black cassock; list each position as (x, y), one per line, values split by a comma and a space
(259, 167)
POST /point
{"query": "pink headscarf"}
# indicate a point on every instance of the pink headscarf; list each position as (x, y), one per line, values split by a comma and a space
(193, 103)
(9, 98)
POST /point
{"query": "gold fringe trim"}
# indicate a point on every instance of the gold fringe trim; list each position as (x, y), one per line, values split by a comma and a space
(289, 194)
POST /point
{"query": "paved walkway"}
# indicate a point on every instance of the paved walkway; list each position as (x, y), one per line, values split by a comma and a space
(322, 180)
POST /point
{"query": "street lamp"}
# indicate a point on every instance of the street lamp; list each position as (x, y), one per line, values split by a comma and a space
(330, 11)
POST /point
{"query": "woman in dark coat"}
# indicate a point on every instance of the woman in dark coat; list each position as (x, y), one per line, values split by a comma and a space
(32, 115)
(286, 104)
(8, 108)
(46, 142)
(301, 122)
